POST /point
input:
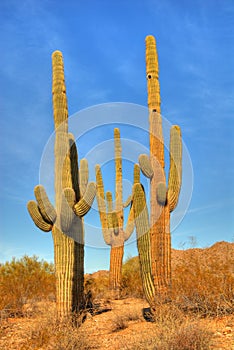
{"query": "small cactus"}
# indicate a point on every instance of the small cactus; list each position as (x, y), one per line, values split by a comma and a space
(112, 217)
(73, 199)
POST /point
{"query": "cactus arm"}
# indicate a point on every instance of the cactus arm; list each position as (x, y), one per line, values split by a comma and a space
(83, 206)
(102, 205)
(37, 217)
(175, 171)
(145, 166)
(128, 201)
(131, 223)
(109, 201)
(101, 197)
(161, 193)
(143, 240)
(46, 208)
(110, 217)
(136, 174)
(83, 175)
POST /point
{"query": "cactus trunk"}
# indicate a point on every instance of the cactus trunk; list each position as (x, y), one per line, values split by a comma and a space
(116, 258)
(68, 257)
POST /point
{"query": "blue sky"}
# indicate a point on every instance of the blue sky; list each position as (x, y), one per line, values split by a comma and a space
(104, 55)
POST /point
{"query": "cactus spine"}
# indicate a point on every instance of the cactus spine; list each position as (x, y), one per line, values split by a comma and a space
(112, 217)
(73, 199)
(154, 240)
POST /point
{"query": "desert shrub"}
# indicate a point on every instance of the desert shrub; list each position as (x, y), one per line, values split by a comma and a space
(202, 280)
(191, 336)
(119, 323)
(131, 279)
(204, 288)
(25, 280)
(173, 330)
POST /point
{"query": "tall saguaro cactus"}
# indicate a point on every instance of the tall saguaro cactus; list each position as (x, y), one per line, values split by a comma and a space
(154, 240)
(73, 199)
(112, 216)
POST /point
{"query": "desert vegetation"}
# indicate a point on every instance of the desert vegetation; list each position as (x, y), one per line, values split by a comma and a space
(199, 315)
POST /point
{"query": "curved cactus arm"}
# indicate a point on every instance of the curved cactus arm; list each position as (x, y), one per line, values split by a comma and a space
(37, 217)
(46, 208)
(83, 206)
(161, 193)
(175, 172)
(128, 201)
(143, 241)
(83, 175)
(145, 166)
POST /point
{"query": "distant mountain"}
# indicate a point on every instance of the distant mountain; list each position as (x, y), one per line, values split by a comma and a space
(221, 253)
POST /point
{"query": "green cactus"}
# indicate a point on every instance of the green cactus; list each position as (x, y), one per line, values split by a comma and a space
(112, 218)
(153, 235)
(73, 199)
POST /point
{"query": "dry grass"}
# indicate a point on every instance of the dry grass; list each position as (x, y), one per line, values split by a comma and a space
(121, 328)
(42, 331)
(184, 337)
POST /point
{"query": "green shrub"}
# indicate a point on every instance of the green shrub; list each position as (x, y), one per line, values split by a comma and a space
(131, 280)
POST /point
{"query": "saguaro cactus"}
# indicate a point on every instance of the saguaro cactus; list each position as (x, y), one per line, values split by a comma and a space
(112, 217)
(154, 241)
(73, 199)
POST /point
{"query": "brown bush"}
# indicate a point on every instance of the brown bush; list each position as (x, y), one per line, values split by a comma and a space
(23, 281)
(204, 288)
(202, 279)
